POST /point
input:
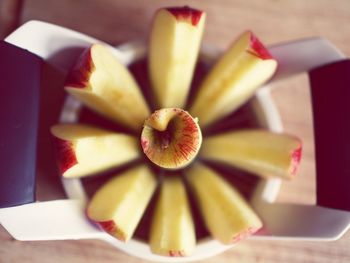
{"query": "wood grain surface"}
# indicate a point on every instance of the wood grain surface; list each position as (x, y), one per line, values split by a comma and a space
(116, 21)
(10, 11)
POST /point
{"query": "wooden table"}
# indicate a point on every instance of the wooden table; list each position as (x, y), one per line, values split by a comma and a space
(116, 21)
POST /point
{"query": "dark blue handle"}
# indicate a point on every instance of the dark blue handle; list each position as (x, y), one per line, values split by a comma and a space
(330, 88)
(19, 111)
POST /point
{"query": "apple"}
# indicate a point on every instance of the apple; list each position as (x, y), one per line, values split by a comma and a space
(106, 86)
(172, 231)
(119, 204)
(171, 138)
(173, 50)
(227, 215)
(234, 78)
(84, 150)
(260, 152)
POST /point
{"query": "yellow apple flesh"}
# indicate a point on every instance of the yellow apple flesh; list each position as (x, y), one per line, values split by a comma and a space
(106, 86)
(84, 150)
(120, 203)
(233, 79)
(174, 45)
(172, 232)
(227, 215)
(257, 151)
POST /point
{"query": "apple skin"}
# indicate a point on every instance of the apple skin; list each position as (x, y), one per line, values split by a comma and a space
(176, 253)
(186, 13)
(111, 228)
(79, 75)
(295, 160)
(244, 234)
(257, 48)
(66, 157)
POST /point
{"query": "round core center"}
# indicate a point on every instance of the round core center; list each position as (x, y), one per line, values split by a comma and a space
(171, 138)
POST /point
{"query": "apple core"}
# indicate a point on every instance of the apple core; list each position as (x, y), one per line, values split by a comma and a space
(171, 138)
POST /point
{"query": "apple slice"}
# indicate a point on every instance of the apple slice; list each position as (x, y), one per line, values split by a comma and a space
(233, 79)
(257, 151)
(227, 215)
(172, 231)
(106, 86)
(174, 45)
(171, 138)
(84, 150)
(119, 204)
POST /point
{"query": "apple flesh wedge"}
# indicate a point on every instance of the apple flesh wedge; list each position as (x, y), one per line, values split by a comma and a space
(106, 86)
(174, 45)
(119, 204)
(227, 215)
(171, 138)
(233, 79)
(257, 151)
(84, 150)
(172, 232)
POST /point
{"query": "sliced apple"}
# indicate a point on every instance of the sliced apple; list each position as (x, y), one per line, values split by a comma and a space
(172, 231)
(171, 138)
(84, 150)
(227, 215)
(257, 151)
(233, 79)
(120, 203)
(174, 45)
(106, 86)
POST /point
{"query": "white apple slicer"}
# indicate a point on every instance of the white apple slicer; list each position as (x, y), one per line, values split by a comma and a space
(27, 219)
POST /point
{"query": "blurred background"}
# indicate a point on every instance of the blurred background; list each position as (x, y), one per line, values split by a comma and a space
(273, 21)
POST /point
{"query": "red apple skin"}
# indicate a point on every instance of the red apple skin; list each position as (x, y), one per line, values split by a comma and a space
(258, 49)
(187, 146)
(244, 234)
(186, 13)
(176, 253)
(144, 143)
(65, 154)
(79, 75)
(295, 160)
(110, 227)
